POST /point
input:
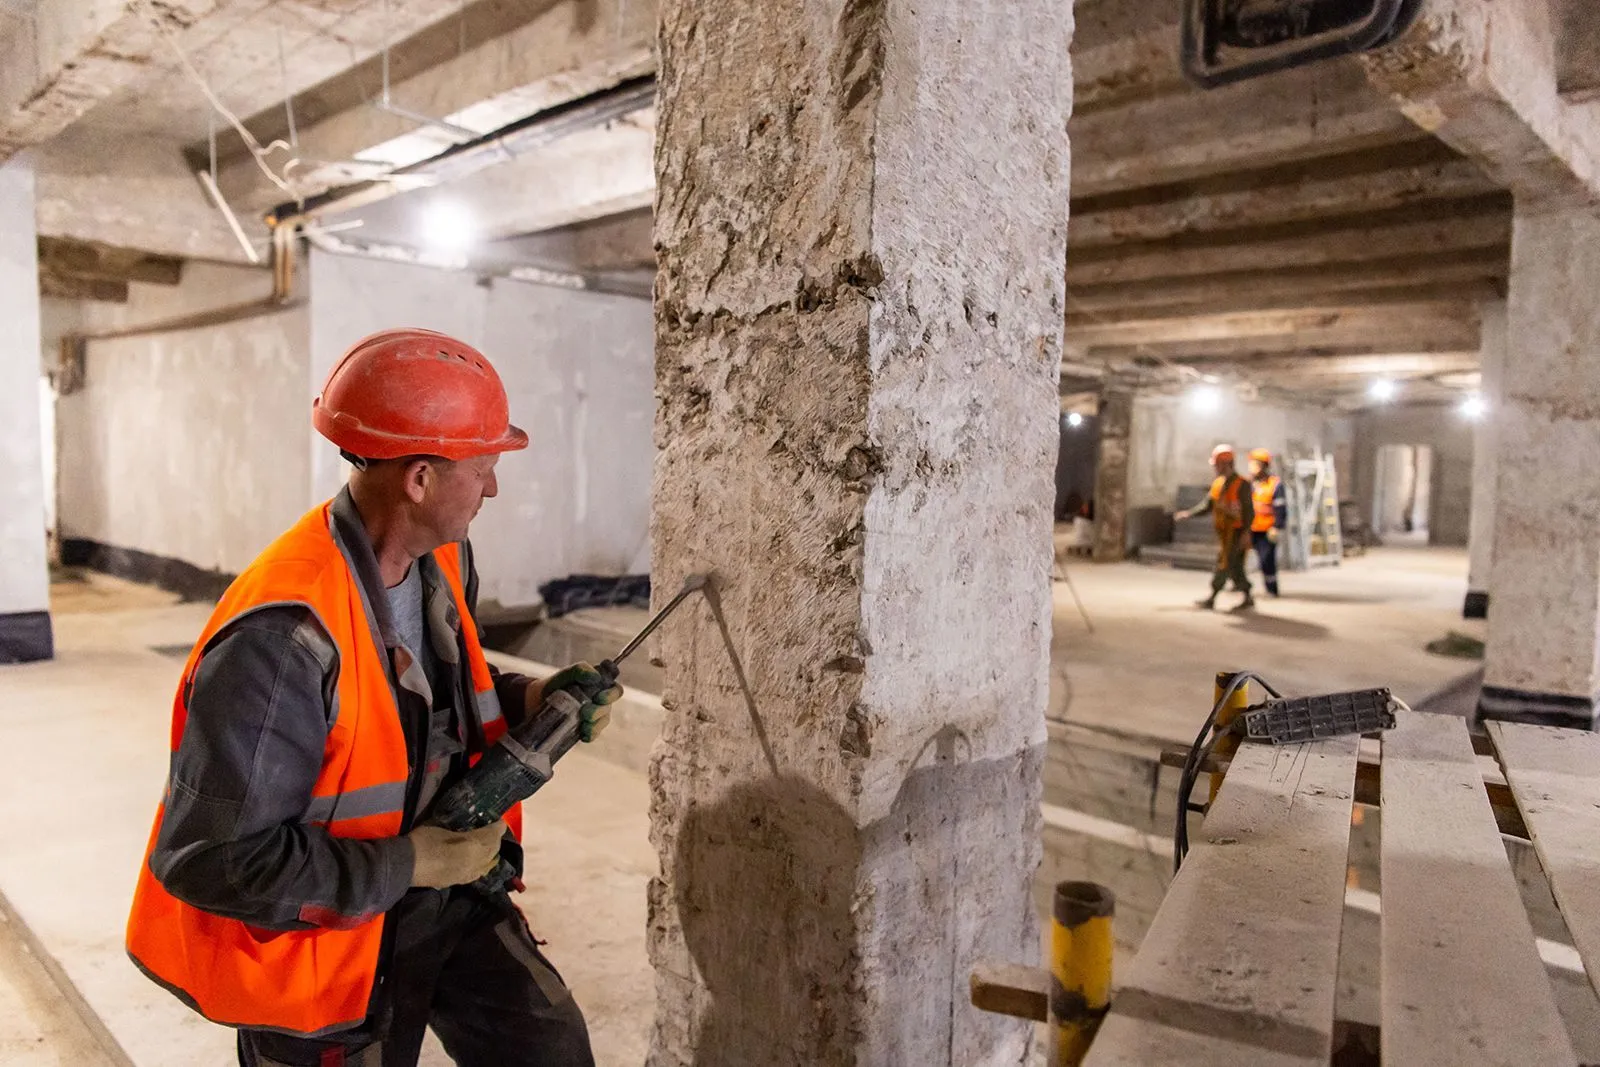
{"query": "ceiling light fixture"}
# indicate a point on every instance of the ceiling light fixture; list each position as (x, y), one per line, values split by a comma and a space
(1474, 407)
(1382, 390)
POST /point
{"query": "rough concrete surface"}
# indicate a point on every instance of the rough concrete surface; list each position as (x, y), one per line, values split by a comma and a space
(1545, 581)
(861, 225)
(23, 578)
(1486, 450)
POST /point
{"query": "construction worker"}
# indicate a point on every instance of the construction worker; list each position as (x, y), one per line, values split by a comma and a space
(1233, 511)
(1272, 515)
(293, 888)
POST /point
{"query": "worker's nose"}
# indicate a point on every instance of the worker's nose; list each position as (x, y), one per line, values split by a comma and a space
(491, 486)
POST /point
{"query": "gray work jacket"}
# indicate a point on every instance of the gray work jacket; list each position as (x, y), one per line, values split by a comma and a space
(235, 839)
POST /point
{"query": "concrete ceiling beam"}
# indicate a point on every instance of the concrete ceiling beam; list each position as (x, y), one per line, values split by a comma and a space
(1306, 345)
(1312, 111)
(1384, 364)
(1297, 285)
(1245, 300)
(588, 175)
(1398, 190)
(1577, 50)
(80, 287)
(531, 56)
(617, 242)
(63, 58)
(92, 259)
(1327, 249)
(1481, 75)
(1326, 321)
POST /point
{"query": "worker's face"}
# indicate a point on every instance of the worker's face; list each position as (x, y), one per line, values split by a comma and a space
(1256, 467)
(1223, 465)
(452, 493)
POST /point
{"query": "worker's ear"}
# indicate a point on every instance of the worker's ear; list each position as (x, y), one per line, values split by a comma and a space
(417, 477)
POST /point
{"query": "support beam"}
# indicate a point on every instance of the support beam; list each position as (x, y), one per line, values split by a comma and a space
(1332, 247)
(1540, 662)
(92, 259)
(67, 56)
(1312, 111)
(79, 287)
(1308, 343)
(841, 446)
(25, 630)
(1111, 474)
(1295, 286)
(521, 59)
(1480, 75)
(1397, 365)
(1486, 462)
(1577, 50)
(1330, 323)
(1400, 193)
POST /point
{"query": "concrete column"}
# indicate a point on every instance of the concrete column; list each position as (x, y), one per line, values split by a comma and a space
(1485, 462)
(25, 632)
(1544, 632)
(1111, 477)
(861, 224)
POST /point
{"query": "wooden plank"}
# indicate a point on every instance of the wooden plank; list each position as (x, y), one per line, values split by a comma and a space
(1462, 984)
(1241, 963)
(1554, 776)
(1012, 989)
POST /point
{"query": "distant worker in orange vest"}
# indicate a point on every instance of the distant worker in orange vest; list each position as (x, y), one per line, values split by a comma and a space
(1233, 511)
(293, 888)
(1272, 515)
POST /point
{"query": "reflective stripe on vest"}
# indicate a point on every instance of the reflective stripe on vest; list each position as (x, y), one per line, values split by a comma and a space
(1264, 491)
(313, 981)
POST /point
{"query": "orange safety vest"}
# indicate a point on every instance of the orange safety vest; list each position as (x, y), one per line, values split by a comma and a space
(1225, 504)
(320, 980)
(1263, 491)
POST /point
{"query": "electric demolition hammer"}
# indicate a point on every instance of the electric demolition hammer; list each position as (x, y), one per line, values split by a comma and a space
(523, 760)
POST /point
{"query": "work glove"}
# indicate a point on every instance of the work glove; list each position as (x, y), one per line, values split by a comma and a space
(1272, 535)
(442, 858)
(600, 693)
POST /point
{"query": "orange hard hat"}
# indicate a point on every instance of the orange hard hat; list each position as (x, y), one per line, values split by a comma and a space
(1261, 455)
(409, 392)
(1222, 452)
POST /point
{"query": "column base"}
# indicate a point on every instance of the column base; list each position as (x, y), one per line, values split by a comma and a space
(1538, 709)
(1476, 605)
(26, 636)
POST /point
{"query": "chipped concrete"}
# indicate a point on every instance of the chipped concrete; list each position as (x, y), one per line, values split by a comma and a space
(861, 224)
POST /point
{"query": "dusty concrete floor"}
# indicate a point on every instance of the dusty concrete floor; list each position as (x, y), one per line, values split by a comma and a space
(1144, 673)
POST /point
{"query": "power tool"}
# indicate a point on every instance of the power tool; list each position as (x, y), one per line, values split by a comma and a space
(523, 760)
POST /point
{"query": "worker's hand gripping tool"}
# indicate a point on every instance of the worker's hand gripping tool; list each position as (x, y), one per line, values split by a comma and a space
(524, 759)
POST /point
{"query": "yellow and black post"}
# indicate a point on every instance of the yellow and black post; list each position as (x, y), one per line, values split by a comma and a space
(1080, 968)
(1228, 743)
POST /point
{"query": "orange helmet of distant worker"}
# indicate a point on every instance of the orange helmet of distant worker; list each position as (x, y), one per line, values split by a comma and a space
(409, 392)
(1222, 452)
(1261, 455)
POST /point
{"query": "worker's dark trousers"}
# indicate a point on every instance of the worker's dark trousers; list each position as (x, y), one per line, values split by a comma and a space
(1231, 547)
(1267, 553)
(467, 966)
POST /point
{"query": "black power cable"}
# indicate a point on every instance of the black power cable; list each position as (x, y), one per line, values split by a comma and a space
(1205, 743)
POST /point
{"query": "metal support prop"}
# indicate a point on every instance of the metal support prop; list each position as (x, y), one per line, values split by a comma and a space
(1080, 968)
(1228, 743)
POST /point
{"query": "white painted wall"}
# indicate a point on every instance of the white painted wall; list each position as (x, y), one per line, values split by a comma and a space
(579, 372)
(24, 575)
(189, 445)
(1171, 441)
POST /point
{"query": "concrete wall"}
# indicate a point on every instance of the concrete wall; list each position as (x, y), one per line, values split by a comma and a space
(1443, 429)
(187, 445)
(24, 578)
(1172, 441)
(578, 367)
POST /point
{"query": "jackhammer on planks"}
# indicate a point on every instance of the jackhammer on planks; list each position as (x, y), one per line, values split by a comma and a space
(523, 760)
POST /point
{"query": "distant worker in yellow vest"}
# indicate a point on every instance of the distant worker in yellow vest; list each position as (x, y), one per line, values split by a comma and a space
(1272, 515)
(1232, 509)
